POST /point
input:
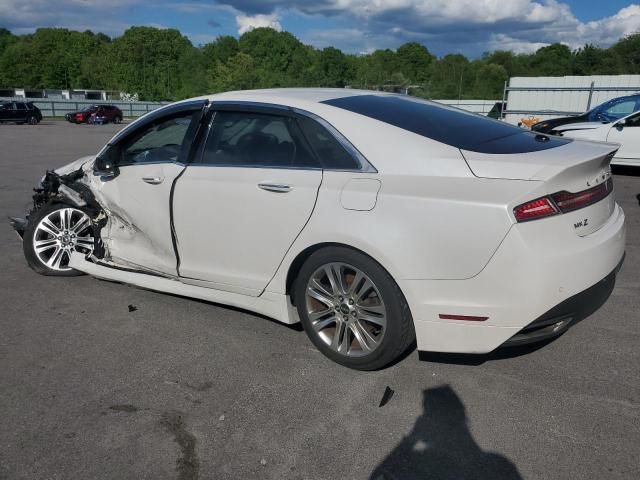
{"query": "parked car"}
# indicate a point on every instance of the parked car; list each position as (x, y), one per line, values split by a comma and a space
(372, 218)
(20, 112)
(608, 112)
(625, 131)
(110, 113)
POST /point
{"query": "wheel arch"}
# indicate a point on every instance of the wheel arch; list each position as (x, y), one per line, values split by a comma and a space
(294, 267)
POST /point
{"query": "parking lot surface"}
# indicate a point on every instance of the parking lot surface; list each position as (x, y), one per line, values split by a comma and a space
(178, 388)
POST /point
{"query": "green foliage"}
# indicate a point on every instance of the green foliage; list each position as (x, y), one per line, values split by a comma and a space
(162, 64)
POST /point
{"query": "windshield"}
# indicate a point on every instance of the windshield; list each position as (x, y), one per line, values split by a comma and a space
(92, 108)
(614, 109)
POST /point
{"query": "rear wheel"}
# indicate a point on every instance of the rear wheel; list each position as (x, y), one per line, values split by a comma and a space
(52, 234)
(32, 120)
(352, 310)
(117, 119)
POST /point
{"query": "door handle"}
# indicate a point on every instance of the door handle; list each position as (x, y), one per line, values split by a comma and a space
(152, 180)
(275, 187)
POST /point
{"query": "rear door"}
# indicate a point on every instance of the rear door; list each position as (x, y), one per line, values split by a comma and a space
(626, 132)
(21, 111)
(241, 204)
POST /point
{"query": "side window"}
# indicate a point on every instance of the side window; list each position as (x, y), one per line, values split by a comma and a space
(256, 140)
(330, 151)
(160, 142)
(621, 109)
(21, 106)
(633, 121)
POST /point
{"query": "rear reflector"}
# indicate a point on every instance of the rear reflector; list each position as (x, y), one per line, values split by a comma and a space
(562, 202)
(468, 318)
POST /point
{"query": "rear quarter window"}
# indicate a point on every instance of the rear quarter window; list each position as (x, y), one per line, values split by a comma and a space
(331, 153)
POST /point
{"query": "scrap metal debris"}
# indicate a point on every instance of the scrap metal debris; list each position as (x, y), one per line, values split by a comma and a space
(386, 396)
(132, 308)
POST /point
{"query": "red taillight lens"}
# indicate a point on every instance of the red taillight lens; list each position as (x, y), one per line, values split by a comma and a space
(562, 202)
(568, 202)
(542, 207)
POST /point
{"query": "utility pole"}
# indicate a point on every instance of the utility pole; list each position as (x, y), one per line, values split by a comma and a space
(460, 85)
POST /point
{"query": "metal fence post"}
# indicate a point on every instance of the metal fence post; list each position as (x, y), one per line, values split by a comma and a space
(53, 109)
(504, 99)
(130, 109)
(590, 97)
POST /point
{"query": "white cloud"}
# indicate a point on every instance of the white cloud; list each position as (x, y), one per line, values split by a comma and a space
(249, 22)
(500, 41)
(457, 25)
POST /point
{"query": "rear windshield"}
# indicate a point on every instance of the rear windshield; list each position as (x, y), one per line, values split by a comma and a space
(460, 129)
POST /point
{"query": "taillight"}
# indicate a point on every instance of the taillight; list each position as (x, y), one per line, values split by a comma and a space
(562, 202)
(542, 207)
(568, 202)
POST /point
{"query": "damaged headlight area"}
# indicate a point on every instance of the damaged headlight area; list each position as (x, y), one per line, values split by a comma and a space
(68, 189)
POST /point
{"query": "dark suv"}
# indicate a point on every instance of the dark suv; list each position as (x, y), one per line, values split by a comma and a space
(20, 112)
(110, 113)
(608, 112)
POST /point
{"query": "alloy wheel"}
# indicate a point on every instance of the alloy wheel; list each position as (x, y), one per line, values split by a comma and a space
(58, 234)
(345, 309)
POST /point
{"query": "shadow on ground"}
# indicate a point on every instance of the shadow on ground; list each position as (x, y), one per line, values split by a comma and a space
(440, 446)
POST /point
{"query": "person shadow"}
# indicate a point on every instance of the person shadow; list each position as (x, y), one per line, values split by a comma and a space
(440, 446)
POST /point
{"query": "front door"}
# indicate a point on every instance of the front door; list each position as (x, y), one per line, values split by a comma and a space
(242, 203)
(138, 199)
(627, 134)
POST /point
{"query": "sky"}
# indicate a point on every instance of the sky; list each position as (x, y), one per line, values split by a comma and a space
(470, 27)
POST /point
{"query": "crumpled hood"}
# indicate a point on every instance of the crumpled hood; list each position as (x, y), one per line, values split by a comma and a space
(75, 165)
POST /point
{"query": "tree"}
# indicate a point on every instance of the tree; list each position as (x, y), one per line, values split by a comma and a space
(553, 60)
(332, 68)
(413, 61)
(162, 64)
(627, 52)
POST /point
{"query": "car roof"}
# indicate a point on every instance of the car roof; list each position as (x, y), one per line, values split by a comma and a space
(291, 97)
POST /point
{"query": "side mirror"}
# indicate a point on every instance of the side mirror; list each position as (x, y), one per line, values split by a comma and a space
(105, 166)
(621, 124)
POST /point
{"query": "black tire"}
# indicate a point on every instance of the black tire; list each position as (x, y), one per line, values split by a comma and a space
(27, 243)
(117, 120)
(399, 333)
(32, 120)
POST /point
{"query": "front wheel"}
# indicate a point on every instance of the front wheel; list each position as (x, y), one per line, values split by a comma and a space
(352, 309)
(52, 234)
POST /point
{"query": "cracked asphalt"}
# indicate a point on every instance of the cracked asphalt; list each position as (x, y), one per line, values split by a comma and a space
(184, 389)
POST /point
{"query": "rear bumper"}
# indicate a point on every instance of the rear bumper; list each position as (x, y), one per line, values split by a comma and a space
(558, 320)
(538, 267)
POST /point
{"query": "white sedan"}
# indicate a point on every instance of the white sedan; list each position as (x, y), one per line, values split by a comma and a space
(625, 132)
(376, 220)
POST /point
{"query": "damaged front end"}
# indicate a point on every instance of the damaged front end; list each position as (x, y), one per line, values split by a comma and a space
(68, 188)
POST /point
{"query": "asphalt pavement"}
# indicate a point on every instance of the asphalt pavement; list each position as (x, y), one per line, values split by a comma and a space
(174, 388)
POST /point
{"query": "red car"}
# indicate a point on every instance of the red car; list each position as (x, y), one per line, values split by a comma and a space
(111, 113)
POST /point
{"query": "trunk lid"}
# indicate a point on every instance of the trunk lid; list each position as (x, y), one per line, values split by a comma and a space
(574, 167)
